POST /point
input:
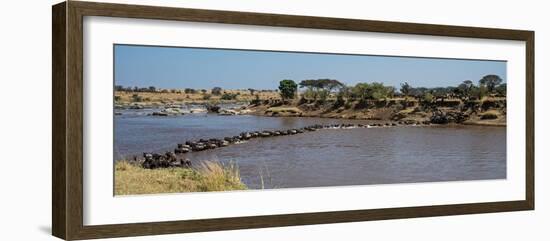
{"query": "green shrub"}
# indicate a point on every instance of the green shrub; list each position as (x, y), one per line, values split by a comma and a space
(228, 96)
(428, 97)
(348, 105)
(136, 98)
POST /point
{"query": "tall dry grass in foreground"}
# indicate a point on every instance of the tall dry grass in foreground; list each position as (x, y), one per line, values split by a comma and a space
(209, 176)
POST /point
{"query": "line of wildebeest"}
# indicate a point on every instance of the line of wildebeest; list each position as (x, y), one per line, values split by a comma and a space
(176, 159)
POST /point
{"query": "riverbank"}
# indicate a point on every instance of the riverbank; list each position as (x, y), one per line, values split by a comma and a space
(486, 112)
(132, 179)
(489, 111)
(128, 98)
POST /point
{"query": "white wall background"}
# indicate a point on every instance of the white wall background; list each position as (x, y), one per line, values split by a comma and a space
(25, 120)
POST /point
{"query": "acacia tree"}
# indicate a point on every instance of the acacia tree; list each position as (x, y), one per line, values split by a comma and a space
(405, 89)
(251, 91)
(372, 91)
(379, 91)
(287, 89)
(321, 87)
(361, 91)
(465, 88)
(501, 89)
(331, 84)
(491, 81)
(312, 86)
(217, 91)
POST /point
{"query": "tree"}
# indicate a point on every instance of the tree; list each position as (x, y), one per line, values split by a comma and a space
(441, 92)
(346, 92)
(136, 98)
(251, 91)
(374, 91)
(390, 92)
(490, 81)
(340, 97)
(379, 91)
(428, 97)
(320, 87)
(331, 84)
(119, 88)
(152, 89)
(465, 88)
(189, 91)
(405, 89)
(216, 91)
(228, 96)
(323, 95)
(361, 91)
(478, 92)
(501, 89)
(312, 88)
(287, 89)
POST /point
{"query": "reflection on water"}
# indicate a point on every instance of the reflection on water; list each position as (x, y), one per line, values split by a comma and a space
(325, 157)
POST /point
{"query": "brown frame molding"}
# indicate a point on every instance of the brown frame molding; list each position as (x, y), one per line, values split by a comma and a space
(67, 120)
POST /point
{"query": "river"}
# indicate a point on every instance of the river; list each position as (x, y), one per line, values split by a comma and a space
(403, 154)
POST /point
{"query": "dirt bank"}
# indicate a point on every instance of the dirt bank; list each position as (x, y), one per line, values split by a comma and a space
(489, 111)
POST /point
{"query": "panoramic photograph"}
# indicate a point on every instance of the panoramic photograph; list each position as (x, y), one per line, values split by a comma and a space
(204, 119)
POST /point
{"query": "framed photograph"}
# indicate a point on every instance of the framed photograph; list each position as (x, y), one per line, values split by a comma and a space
(171, 120)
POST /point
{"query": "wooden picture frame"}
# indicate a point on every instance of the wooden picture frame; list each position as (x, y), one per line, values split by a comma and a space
(67, 123)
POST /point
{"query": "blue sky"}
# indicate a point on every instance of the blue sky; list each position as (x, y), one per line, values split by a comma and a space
(175, 67)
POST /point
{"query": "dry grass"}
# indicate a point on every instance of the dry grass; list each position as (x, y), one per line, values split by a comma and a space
(406, 111)
(132, 179)
(244, 95)
(490, 115)
(292, 110)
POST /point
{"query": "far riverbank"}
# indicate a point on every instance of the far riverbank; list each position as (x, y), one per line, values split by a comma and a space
(489, 111)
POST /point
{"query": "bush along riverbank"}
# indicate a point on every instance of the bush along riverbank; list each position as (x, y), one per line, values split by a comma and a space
(131, 178)
(484, 104)
(488, 111)
(466, 103)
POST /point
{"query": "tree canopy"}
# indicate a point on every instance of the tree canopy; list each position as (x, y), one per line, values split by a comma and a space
(327, 84)
(490, 81)
(405, 89)
(287, 89)
(374, 90)
(217, 91)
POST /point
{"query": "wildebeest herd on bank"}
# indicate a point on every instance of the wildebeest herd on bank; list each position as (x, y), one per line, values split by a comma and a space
(177, 158)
